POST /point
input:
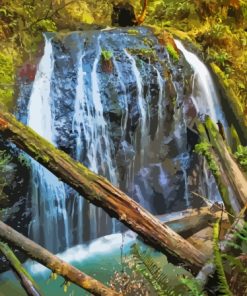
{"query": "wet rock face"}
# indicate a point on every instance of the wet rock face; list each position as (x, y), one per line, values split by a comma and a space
(137, 111)
(15, 207)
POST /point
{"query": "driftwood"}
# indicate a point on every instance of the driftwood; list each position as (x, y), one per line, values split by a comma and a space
(52, 262)
(26, 280)
(100, 192)
(190, 221)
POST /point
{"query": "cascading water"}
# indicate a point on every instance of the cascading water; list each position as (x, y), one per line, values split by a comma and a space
(49, 216)
(206, 102)
(127, 125)
(204, 94)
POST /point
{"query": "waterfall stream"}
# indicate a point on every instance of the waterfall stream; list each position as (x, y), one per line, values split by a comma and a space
(128, 126)
(204, 93)
(49, 215)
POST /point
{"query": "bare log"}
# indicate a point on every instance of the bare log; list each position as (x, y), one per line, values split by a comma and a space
(100, 192)
(57, 265)
(26, 280)
(190, 221)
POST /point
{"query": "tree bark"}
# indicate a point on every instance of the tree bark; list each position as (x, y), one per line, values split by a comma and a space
(236, 176)
(209, 134)
(100, 192)
(190, 221)
(26, 280)
(54, 263)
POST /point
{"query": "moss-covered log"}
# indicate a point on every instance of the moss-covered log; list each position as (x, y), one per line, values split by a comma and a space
(227, 173)
(205, 148)
(237, 178)
(100, 192)
(57, 265)
(26, 280)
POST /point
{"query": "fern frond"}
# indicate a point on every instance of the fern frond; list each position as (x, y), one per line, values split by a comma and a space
(223, 284)
(194, 287)
(148, 268)
(234, 262)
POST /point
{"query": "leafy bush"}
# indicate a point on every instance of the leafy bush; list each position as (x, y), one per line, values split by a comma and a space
(241, 156)
(106, 55)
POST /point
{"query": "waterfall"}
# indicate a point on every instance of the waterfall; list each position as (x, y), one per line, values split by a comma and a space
(49, 216)
(127, 125)
(144, 128)
(204, 94)
(206, 101)
(93, 140)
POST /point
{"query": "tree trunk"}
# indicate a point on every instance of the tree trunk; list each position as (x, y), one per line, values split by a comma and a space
(52, 262)
(223, 177)
(236, 176)
(26, 280)
(100, 192)
(191, 221)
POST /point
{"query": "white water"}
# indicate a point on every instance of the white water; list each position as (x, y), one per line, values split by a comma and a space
(142, 107)
(204, 94)
(206, 101)
(102, 246)
(49, 215)
(160, 105)
(89, 121)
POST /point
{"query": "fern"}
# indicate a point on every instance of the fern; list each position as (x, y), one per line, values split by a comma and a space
(194, 287)
(148, 268)
(223, 284)
(239, 241)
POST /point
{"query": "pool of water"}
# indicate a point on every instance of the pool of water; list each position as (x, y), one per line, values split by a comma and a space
(100, 259)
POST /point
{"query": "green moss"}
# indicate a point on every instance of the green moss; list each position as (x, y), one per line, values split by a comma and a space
(241, 156)
(144, 53)
(148, 42)
(172, 52)
(203, 149)
(7, 77)
(133, 32)
(106, 55)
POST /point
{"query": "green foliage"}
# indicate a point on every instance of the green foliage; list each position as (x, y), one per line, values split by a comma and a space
(220, 57)
(6, 77)
(223, 284)
(148, 268)
(165, 279)
(24, 160)
(4, 161)
(133, 32)
(203, 149)
(239, 240)
(106, 55)
(194, 286)
(241, 156)
(172, 52)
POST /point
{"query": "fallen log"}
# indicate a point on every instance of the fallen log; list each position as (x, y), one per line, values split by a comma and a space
(209, 268)
(100, 192)
(190, 221)
(217, 170)
(57, 265)
(26, 280)
(237, 178)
